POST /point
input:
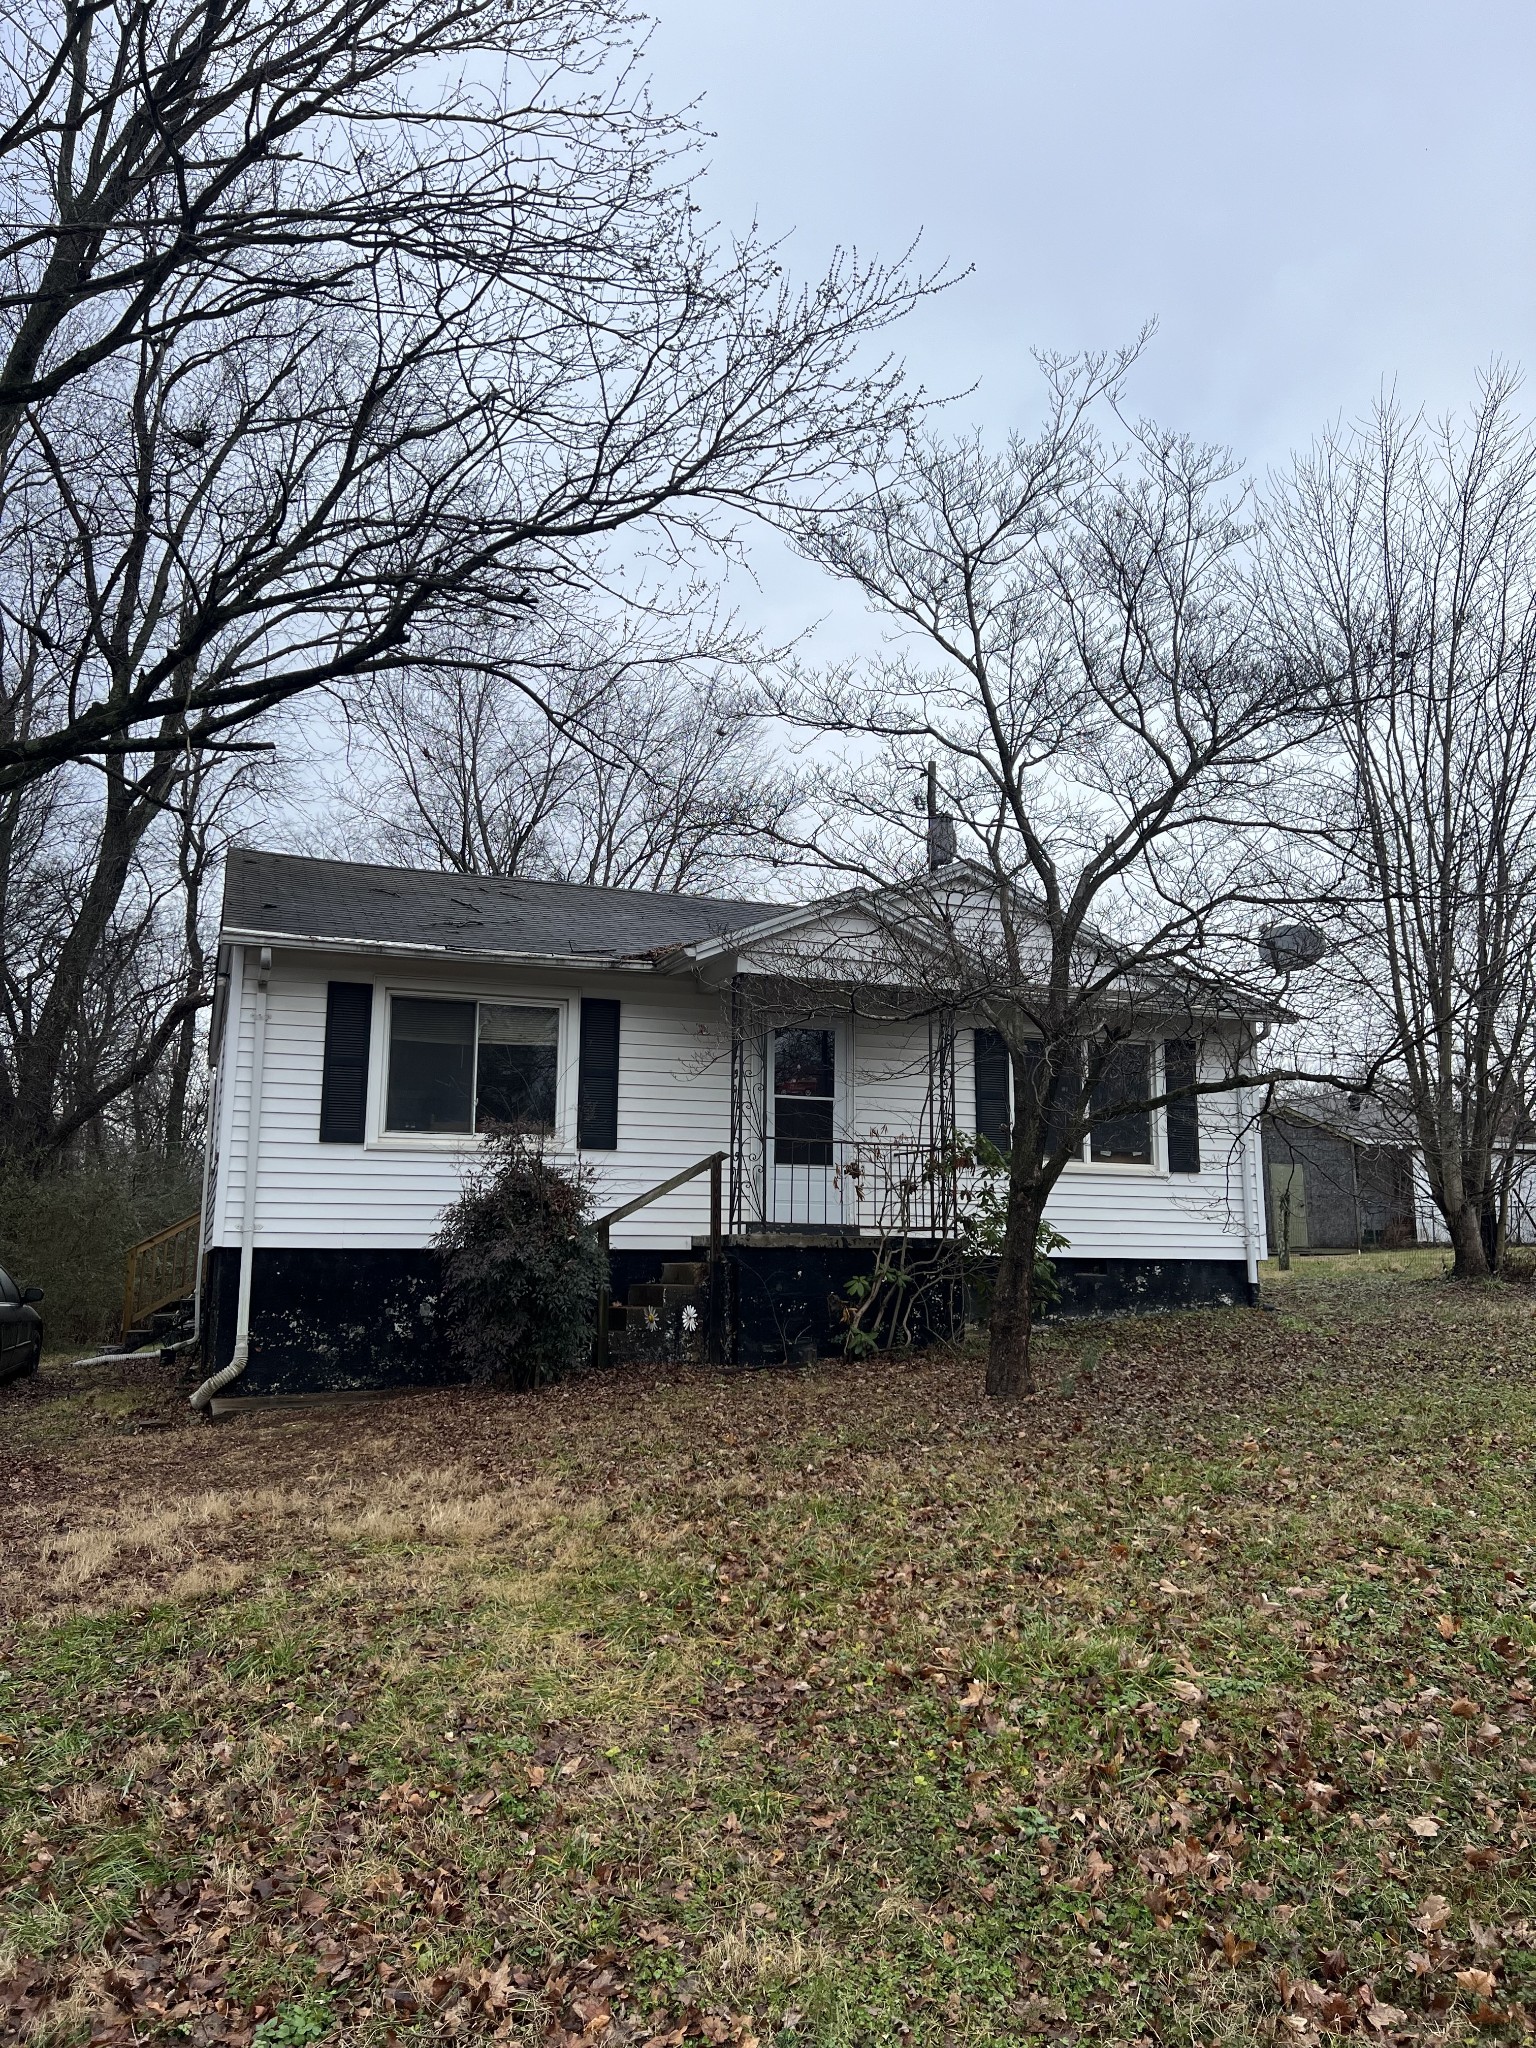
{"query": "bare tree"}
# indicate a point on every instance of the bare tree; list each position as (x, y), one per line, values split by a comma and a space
(621, 753)
(106, 958)
(421, 344)
(270, 150)
(333, 344)
(1403, 559)
(1077, 649)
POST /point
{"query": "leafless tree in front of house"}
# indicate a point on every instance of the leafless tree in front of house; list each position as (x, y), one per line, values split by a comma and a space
(1077, 647)
(415, 303)
(334, 342)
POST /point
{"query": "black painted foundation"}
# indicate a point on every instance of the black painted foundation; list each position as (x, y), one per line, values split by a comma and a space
(329, 1321)
(1128, 1287)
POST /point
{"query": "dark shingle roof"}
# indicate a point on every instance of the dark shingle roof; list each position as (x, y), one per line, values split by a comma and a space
(284, 895)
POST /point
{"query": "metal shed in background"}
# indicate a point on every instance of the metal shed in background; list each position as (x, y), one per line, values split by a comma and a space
(1338, 1175)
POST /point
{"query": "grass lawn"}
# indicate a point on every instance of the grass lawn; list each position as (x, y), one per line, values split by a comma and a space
(1189, 1701)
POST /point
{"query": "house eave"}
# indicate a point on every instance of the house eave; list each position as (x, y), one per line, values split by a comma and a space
(409, 949)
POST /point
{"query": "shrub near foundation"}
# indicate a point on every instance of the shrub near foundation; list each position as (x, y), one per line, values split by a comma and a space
(522, 1267)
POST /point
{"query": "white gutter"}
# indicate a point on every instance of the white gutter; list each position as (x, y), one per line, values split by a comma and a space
(240, 1358)
(413, 949)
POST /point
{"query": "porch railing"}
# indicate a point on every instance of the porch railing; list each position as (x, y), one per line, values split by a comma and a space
(874, 1186)
(160, 1269)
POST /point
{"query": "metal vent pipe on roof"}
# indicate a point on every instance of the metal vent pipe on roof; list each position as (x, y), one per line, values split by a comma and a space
(942, 844)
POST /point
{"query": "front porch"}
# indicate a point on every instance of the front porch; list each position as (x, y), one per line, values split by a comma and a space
(760, 1289)
(843, 1113)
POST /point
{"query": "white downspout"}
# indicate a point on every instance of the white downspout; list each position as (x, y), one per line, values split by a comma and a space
(1250, 1246)
(241, 1356)
(210, 1140)
(1252, 1187)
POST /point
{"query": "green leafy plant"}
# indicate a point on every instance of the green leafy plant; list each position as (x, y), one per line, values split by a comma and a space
(982, 1171)
(309, 2019)
(874, 1320)
(522, 1267)
(67, 1228)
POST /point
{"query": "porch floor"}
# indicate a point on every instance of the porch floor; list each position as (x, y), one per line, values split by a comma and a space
(802, 1237)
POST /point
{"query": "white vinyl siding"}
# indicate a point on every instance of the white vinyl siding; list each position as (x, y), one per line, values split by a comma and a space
(674, 1108)
(1141, 1212)
(389, 1193)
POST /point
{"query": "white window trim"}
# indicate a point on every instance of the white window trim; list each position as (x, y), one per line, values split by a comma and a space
(567, 1053)
(1157, 1167)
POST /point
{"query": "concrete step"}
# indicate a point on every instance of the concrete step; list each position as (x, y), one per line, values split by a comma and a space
(660, 1294)
(684, 1273)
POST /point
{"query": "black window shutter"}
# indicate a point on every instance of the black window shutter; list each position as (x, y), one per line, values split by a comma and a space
(597, 1081)
(1055, 1106)
(993, 1119)
(1179, 1070)
(344, 1085)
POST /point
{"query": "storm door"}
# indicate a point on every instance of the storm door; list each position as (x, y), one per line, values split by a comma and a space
(802, 1125)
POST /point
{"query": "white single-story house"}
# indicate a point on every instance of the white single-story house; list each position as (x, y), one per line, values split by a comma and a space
(371, 1022)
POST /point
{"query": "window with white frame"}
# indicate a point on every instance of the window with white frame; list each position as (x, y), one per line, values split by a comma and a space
(458, 1067)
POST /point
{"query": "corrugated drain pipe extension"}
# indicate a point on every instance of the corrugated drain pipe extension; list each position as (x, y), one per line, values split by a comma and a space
(241, 1356)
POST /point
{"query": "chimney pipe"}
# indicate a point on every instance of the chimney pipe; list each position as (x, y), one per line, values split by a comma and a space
(941, 826)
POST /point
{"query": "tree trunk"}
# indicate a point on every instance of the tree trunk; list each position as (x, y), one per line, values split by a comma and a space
(174, 1137)
(1009, 1368)
(1471, 1258)
(1489, 1224)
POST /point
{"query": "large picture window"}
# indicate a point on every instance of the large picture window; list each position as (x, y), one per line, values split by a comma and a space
(804, 1080)
(1124, 1136)
(462, 1067)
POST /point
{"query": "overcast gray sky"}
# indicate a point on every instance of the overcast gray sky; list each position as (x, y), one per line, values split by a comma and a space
(1308, 197)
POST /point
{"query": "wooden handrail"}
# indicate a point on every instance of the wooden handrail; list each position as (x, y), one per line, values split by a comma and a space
(160, 1269)
(171, 1230)
(664, 1187)
(711, 1164)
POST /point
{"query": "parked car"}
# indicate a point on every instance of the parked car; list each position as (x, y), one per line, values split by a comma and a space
(21, 1328)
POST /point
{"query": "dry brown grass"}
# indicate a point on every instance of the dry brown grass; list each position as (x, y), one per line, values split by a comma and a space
(207, 1544)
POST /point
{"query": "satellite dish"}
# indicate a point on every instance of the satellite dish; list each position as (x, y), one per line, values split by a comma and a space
(1289, 947)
